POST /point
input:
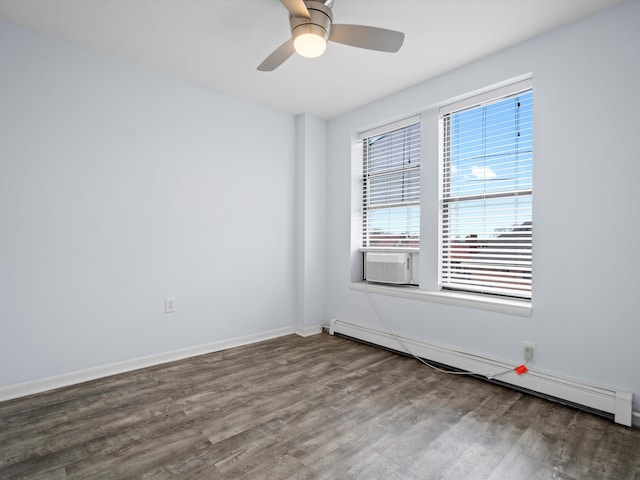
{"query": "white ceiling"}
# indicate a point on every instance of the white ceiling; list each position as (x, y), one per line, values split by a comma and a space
(219, 43)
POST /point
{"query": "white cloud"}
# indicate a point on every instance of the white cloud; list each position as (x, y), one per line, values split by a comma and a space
(483, 173)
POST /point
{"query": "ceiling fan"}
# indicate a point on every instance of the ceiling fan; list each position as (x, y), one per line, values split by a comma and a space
(312, 25)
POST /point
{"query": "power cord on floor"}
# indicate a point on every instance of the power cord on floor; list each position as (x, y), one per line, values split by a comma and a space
(519, 370)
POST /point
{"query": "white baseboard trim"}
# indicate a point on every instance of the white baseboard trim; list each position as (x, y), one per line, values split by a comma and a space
(605, 399)
(41, 385)
(635, 421)
(308, 331)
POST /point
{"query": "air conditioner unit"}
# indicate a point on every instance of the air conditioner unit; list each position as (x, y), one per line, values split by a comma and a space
(384, 267)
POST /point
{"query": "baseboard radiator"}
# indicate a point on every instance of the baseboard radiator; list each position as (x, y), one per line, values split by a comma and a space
(605, 401)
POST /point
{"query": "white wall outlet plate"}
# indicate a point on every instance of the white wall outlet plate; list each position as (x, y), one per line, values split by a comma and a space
(528, 350)
(169, 304)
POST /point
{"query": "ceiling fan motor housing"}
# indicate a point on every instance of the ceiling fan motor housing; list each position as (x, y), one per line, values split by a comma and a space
(319, 22)
(312, 26)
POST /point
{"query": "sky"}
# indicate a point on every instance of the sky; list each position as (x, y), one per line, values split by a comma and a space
(490, 153)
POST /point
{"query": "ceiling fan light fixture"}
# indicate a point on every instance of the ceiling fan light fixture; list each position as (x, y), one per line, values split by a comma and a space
(310, 45)
(310, 40)
(312, 26)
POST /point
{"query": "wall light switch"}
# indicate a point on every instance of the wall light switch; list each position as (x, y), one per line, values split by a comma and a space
(169, 304)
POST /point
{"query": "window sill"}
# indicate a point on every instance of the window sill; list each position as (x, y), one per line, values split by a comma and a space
(391, 249)
(520, 308)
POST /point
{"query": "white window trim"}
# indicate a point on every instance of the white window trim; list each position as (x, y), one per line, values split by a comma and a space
(489, 96)
(486, 97)
(521, 308)
(389, 127)
(502, 305)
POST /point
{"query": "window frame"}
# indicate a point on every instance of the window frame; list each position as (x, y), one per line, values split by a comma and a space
(407, 243)
(427, 289)
(481, 280)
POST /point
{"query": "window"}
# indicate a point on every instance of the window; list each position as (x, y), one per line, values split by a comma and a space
(486, 193)
(391, 185)
(476, 202)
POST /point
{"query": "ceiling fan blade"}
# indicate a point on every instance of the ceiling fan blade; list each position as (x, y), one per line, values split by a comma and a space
(372, 38)
(277, 57)
(297, 8)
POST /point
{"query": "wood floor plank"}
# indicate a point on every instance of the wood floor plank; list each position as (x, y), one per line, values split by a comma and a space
(318, 407)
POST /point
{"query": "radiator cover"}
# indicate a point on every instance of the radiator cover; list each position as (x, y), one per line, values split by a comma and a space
(616, 403)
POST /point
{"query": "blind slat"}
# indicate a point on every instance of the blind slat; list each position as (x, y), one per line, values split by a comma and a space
(486, 197)
(391, 186)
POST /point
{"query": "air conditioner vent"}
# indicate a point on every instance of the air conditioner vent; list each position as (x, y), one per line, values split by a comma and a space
(383, 267)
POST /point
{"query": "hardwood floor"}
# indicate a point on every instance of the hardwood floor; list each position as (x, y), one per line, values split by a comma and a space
(304, 408)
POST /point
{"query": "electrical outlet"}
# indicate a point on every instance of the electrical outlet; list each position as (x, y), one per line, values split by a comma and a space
(169, 304)
(528, 350)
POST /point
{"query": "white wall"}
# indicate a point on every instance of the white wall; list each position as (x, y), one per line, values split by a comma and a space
(120, 186)
(586, 270)
(310, 223)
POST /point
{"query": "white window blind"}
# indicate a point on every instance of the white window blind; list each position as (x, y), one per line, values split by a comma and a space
(391, 185)
(486, 195)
